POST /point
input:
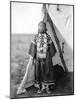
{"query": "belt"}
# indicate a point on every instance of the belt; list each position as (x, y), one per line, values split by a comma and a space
(41, 55)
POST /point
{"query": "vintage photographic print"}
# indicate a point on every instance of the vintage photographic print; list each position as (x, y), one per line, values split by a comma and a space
(41, 49)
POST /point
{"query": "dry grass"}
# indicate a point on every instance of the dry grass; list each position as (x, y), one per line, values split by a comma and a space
(19, 58)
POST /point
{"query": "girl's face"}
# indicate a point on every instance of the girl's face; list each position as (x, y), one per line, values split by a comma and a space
(41, 27)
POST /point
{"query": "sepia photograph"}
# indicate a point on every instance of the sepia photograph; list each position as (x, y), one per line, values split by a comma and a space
(41, 49)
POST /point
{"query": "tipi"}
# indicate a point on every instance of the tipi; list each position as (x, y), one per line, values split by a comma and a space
(63, 56)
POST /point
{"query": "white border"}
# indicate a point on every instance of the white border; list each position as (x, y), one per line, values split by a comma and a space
(5, 48)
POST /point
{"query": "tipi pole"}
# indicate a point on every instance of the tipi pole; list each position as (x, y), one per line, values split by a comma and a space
(48, 19)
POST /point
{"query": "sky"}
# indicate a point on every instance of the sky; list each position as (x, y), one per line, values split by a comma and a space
(26, 16)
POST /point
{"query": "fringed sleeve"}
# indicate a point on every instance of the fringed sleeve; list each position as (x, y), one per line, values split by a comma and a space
(51, 47)
(32, 49)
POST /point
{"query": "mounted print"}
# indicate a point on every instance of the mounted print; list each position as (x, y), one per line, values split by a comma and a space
(41, 49)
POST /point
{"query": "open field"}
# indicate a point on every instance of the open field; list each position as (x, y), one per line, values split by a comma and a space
(19, 58)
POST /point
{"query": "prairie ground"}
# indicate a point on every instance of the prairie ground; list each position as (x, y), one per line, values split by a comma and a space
(19, 58)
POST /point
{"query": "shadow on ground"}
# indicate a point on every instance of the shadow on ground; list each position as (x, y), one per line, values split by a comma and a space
(64, 86)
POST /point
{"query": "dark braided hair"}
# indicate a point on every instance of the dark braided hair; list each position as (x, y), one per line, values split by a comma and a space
(42, 27)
